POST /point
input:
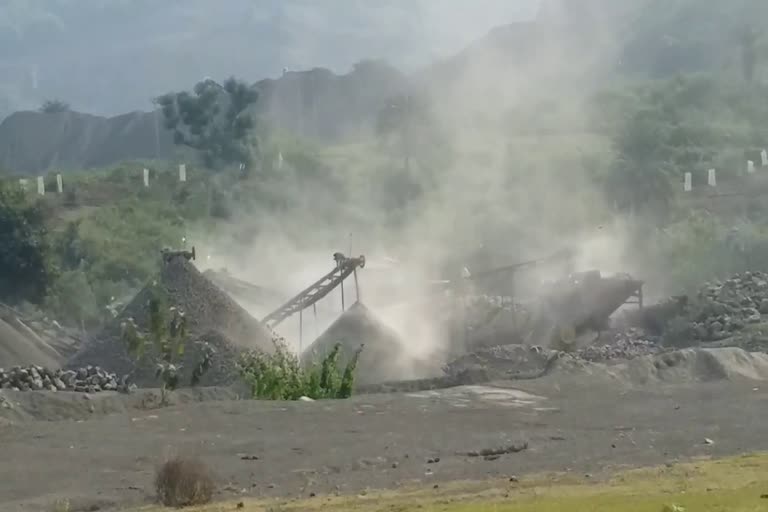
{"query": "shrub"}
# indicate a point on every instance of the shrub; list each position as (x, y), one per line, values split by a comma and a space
(183, 482)
(280, 376)
(165, 343)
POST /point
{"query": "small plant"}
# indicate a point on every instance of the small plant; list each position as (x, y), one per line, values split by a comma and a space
(165, 344)
(61, 505)
(183, 482)
(280, 376)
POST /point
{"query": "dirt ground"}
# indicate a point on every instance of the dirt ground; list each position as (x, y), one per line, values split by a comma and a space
(103, 461)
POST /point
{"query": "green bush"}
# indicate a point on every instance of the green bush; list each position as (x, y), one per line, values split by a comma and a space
(280, 375)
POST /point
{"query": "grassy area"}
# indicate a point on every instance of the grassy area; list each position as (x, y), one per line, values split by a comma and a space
(735, 485)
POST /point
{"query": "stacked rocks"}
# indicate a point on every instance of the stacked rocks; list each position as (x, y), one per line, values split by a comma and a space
(624, 344)
(91, 379)
(724, 308)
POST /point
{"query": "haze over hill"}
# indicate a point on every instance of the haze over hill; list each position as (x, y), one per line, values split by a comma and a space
(108, 58)
(320, 71)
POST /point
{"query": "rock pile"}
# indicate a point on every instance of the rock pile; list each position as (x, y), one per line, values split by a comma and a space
(724, 308)
(382, 357)
(504, 362)
(212, 317)
(91, 379)
(623, 344)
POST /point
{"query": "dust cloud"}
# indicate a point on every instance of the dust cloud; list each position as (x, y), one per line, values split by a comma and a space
(513, 184)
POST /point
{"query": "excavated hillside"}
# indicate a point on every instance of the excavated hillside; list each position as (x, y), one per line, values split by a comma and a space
(32, 142)
(212, 317)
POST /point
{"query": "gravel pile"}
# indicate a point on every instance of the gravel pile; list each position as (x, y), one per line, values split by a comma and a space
(624, 344)
(91, 379)
(382, 358)
(504, 362)
(722, 309)
(212, 317)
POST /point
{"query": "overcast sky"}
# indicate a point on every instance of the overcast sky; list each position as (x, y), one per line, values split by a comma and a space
(108, 56)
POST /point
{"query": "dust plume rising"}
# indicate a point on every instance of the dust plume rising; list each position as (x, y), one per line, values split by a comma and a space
(504, 162)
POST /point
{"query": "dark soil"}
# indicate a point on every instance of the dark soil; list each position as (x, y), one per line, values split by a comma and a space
(575, 423)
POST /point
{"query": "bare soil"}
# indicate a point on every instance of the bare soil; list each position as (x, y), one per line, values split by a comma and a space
(105, 455)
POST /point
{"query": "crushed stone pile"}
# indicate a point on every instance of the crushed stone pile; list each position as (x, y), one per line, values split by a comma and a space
(91, 379)
(504, 362)
(685, 366)
(698, 365)
(20, 347)
(42, 333)
(382, 357)
(212, 317)
(621, 344)
(720, 310)
(724, 308)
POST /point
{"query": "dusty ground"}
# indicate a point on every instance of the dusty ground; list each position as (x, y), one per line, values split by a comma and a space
(374, 441)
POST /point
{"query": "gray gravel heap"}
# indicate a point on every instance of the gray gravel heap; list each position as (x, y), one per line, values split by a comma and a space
(724, 308)
(91, 379)
(213, 317)
(623, 344)
(504, 362)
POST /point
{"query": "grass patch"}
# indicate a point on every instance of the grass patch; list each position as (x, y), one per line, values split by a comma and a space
(734, 485)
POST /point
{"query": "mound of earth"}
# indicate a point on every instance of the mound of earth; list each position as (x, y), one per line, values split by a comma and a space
(699, 365)
(504, 362)
(19, 348)
(383, 357)
(687, 366)
(212, 317)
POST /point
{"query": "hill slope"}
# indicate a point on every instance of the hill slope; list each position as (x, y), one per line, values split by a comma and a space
(34, 141)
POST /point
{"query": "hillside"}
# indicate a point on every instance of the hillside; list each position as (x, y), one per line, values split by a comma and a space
(33, 141)
(113, 57)
(523, 72)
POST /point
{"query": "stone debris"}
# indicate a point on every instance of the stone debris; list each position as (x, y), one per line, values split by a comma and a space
(380, 357)
(213, 320)
(91, 379)
(504, 361)
(722, 309)
(622, 344)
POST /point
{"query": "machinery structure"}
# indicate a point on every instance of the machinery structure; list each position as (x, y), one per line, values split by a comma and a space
(567, 308)
(168, 254)
(345, 267)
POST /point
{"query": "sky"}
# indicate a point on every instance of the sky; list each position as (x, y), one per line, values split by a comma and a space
(112, 56)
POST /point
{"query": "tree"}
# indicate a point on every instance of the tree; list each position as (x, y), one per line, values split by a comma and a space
(164, 344)
(640, 176)
(749, 40)
(25, 270)
(54, 107)
(401, 117)
(213, 119)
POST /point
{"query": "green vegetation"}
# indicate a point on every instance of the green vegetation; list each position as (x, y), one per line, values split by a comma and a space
(54, 107)
(213, 120)
(164, 344)
(25, 273)
(280, 376)
(538, 174)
